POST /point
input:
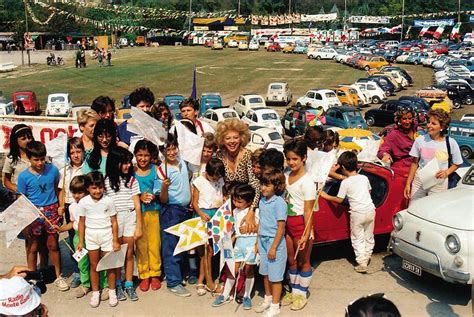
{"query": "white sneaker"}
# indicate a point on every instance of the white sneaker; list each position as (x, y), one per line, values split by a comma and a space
(95, 300)
(263, 306)
(272, 312)
(61, 284)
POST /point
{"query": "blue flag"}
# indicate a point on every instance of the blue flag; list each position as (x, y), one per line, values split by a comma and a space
(194, 91)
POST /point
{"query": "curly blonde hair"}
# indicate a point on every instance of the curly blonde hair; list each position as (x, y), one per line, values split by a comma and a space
(236, 125)
(84, 115)
(442, 116)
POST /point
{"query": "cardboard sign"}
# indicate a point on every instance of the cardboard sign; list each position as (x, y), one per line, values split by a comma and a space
(78, 255)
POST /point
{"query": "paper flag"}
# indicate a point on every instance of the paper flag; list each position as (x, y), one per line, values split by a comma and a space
(222, 223)
(146, 126)
(57, 150)
(227, 253)
(191, 233)
(16, 217)
(190, 144)
(369, 150)
(319, 164)
(113, 260)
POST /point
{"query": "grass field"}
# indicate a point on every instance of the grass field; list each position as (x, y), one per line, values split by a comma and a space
(169, 70)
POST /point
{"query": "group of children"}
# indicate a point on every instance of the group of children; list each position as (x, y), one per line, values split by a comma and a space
(110, 197)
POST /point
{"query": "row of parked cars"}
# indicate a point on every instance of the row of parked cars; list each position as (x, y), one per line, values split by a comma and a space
(57, 104)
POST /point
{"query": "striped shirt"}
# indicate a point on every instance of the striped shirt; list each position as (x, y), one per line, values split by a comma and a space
(123, 197)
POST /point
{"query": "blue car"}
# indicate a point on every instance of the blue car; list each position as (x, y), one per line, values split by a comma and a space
(345, 117)
(209, 101)
(301, 49)
(173, 102)
(463, 133)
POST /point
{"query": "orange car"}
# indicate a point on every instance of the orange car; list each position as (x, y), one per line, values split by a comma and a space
(373, 62)
(348, 96)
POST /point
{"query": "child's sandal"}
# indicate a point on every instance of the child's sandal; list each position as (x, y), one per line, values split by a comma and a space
(201, 289)
(217, 289)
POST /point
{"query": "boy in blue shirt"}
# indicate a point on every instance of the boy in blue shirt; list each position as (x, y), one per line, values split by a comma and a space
(174, 191)
(39, 184)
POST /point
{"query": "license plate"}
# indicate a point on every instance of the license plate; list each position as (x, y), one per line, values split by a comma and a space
(410, 267)
(275, 97)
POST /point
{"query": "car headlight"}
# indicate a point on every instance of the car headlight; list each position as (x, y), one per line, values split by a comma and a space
(397, 222)
(453, 244)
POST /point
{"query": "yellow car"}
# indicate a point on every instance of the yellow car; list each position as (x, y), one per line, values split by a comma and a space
(288, 49)
(348, 96)
(436, 98)
(373, 62)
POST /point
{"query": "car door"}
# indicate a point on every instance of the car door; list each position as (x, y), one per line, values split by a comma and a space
(388, 116)
(318, 101)
(288, 121)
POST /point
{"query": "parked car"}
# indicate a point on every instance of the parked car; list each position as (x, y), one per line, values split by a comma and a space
(29, 100)
(59, 105)
(264, 117)
(232, 44)
(348, 96)
(322, 53)
(246, 102)
(468, 117)
(217, 45)
(209, 100)
(463, 133)
(431, 240)
(243, 45)
(78, 108)
(254, 46)
(279, 93)
(288, 49)
(331, 222)
(274, 47)
(215, 115)
(345, 117)
(262, 137)
(319, 99)
(7, 109)
(402, 71)
(373, 62)
(373, 90)
(385, 114)
(301, 49)
(173, 102)
(296, 120)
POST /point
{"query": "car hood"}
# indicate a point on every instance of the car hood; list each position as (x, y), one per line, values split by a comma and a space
(452, 208)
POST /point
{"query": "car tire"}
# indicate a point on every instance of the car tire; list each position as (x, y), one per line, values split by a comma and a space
(318, 57)
(370, 120)
(469, 101)
(376, 99)
(367, 68)
(466, 152)
(457, 105)
(415, 63)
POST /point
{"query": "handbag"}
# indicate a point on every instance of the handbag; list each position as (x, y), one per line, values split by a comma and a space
(453, 178)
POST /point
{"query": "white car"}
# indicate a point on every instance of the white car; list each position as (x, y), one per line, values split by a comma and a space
(373, 90)
(243, 46)
(322, 53)
(7, 109)
(246, 102)
(402, 58)
(254, 46)
(59, 105)
(233, 44)
(265, 117)
(279, 93)
(261, 137)
(216, 115)
(323, 98)
(436, 234)
(363, 96)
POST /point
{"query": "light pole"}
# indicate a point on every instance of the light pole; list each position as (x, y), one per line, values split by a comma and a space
(403, 20)
(27, 34)
(189, 25)
(345, 15)
(289, 14)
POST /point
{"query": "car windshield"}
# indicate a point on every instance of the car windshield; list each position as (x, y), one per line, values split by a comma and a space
(212, 102)
(274, 136)
(58, 99)
(174, 103)
(255, 100)
(269, 116)
(353, 114)
(330, 95)
(276, 87)
(229, 114)
(352, 91)
(21, 97)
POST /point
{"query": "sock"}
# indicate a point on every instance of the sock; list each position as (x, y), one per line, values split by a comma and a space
(303, 281)
(192, 263)
(293, 274)
(128, 284)
(248, 286)
(118, 283)
(268, 299)
(229, 283)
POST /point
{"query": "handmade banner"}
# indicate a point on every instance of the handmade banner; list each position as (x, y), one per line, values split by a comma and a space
(42, 131)
(319, 164)
(16, 217)
(430, 23)
(220, 224)
(318, 17)
(369, 19)
(192, 233)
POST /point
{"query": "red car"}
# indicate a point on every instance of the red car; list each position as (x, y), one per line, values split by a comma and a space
(29, 100)
(275, 47)
(331, 222)
(439, 48)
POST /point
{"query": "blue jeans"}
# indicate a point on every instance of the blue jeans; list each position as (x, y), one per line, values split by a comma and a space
(171, 215)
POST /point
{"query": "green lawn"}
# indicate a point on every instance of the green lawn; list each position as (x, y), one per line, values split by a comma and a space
(168, 70)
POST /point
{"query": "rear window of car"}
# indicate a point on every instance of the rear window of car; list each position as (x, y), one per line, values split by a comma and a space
(352, 91)
(274, 136)
(20, 97)
(276, 87)
(352, 114)
(229, 114)
(330, 95)
(269, 116)
(255, 100)
(58, 99)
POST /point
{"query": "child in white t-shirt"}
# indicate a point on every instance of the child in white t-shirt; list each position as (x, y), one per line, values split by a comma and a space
(207, 198)
(357, 188)
(98, 228)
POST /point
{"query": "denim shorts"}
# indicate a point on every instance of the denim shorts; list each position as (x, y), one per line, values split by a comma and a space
(275, 269)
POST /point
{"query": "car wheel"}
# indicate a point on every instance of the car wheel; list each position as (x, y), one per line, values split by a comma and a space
(415, 63)
(318, 57)
(367, 68)
(457, 105)
(370, 121)
(469, 101)
(466, 152)
(376, 99)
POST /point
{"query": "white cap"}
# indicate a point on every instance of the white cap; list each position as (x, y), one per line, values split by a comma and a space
(17, 297)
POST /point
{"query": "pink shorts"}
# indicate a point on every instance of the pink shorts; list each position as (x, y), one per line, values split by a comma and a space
(295, 227)
(40, 225)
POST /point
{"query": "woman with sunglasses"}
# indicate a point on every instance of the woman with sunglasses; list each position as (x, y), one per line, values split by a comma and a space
(397, 144)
